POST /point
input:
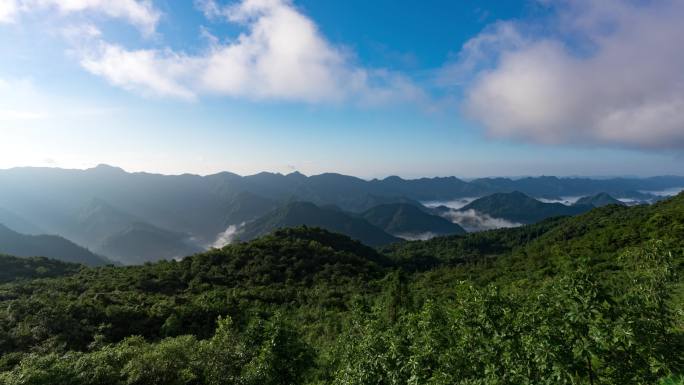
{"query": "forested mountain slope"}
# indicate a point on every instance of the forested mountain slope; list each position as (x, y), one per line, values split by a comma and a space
(14, 268)
(591, 299)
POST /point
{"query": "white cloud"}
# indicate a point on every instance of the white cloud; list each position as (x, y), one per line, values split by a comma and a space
(146, 71)
(281, 56)
(140, 13)
(8, 10)
(607, 73)
(80, 32)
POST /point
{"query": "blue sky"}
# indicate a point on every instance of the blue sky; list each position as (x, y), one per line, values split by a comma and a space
(467, 88)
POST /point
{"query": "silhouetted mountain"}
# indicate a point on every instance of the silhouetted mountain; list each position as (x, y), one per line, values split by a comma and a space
(520, 208)
(307, 214)
(141, 242)
(408, 221)
(598, 200)
(50, 246)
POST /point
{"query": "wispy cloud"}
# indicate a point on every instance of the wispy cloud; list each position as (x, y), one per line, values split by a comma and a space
(281, 56)
(227, 237)
(23, 101)
(597, 72)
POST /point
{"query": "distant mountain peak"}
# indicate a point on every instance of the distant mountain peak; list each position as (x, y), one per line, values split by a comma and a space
(296, 174)
(598, 200)
(393, 178)
(107, 168)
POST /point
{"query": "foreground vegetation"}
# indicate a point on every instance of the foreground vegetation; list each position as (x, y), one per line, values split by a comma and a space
(595, 299)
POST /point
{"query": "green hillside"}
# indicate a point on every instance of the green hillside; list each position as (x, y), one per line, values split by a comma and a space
(590, 299)
(406, 220)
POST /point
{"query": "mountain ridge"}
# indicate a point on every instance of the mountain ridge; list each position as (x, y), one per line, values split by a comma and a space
(49, 246)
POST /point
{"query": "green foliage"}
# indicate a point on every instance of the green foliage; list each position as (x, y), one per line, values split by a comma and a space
(575, 329)
(595, 299)
(270, 353)
(13, 268)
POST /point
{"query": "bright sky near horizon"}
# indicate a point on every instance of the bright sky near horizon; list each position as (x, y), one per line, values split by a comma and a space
(368, 88)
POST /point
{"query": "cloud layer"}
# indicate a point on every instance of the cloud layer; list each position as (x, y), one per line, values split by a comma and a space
(600, 72)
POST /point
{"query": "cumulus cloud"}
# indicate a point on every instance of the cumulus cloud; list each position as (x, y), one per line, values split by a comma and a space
(140, 13)
(281, 56)
(146, 71)
(600, 72)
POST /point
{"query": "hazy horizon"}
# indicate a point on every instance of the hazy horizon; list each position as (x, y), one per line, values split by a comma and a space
(464, 178)
(524, 87)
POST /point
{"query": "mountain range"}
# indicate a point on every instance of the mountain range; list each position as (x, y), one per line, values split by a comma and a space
(139, 217)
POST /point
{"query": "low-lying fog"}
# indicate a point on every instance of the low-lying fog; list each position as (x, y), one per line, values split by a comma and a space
(470, 220)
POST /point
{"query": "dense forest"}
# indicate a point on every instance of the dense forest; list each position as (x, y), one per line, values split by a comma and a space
(591, 299)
